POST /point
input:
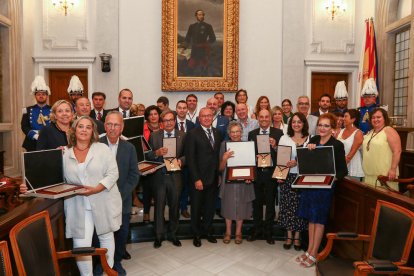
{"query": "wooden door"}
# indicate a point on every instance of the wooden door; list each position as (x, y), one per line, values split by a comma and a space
(325, 83)
(59, 82)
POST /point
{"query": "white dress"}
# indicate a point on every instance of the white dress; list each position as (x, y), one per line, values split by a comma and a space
(355, 165)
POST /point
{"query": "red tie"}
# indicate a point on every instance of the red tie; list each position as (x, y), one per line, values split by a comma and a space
(182, 126)
(99, 116)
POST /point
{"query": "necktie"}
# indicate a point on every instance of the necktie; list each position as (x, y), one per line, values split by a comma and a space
(124, 113)
(210, 137)
(264, 131)
(99, 116)
(169, 134)
(182, 126)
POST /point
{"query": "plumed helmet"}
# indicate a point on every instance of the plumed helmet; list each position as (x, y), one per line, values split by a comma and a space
(39, 84)
(370, 88)
(340, 91)
(75, 86)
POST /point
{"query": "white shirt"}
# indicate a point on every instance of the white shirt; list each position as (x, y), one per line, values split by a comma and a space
(113, 147)
(98, 112)
(206, 132)
(122, 111)
(192, 117)
(179, 124)
(166, 134)
(267, 130)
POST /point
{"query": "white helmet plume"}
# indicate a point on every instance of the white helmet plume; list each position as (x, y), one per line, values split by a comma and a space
(340, 91)
(75, 85)
(370, 88)
(39, 84)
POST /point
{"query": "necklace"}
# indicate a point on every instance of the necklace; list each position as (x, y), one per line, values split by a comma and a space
(372, 136)
(82, 149)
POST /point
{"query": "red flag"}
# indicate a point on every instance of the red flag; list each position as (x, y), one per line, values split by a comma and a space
(368, 65)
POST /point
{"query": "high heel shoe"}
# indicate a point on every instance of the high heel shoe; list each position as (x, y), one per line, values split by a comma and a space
(227, 239)
(298, 246)
(287, 245)
(238, 239)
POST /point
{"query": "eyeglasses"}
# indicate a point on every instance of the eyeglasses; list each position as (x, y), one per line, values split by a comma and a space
(235, 131)
(168, 121)
(303, 103)
(206, 116)
(111, 125)
(324, 126)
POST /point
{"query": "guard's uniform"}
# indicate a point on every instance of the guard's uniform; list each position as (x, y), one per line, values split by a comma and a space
(34, 118)
(364, 118)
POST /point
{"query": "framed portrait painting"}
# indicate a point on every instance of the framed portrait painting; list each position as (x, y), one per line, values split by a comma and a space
(200, 45)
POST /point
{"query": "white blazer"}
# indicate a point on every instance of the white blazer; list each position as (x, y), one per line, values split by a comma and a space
(106, 206)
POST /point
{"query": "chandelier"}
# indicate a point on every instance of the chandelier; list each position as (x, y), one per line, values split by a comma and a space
(335, 8)
(63, 5)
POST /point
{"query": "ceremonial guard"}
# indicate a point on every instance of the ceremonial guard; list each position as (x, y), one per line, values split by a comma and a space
(369, 94)
(36, 116)
(75, 90)
(341, 98)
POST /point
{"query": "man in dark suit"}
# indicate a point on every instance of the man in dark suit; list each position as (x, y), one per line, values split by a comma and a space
(202, 156)
(126, 158)
(324, 105)
(200, 36)
(98, 112)
(185, 125)
(265, 187)
(83, 108)
(167, 185)
(125, 99)
(220, 122)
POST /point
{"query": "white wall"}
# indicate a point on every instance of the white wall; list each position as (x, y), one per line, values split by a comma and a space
(260, 57)
(274, 44)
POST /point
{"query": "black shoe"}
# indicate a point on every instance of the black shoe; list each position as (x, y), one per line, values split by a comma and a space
(157, 243)
(211, 239)
(270, 240)
(176, 242)
(118, 268)
(299, 246)
(254, 235)
(197, 242)
(287, 245)
(126, 255)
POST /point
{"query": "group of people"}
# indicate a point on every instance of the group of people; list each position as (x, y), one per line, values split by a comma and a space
(359, 140)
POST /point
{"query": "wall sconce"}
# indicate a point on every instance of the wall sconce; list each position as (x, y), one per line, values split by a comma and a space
(105, 62)
(63, 5)
(335, 8)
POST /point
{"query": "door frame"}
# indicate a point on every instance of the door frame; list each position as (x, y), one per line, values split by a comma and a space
(44, 64)
(349, 67)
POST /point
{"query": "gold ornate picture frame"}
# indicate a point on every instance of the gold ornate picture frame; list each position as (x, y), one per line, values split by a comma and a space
(197, 54)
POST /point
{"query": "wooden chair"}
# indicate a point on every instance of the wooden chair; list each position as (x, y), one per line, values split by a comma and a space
(388, 249)
(34, 248)
(5, 264)
(404, 184)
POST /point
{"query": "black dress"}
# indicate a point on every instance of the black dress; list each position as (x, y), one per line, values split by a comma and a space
(51, 137)
(315, 204)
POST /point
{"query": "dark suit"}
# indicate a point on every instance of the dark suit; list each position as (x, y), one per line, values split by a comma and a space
(185, 191)
(265, 187)
(166, 185)
(104, 113)
(188, 125)
(126, 158)
(203, 162)
(222, 123)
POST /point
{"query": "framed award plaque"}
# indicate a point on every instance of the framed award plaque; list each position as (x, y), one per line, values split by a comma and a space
(240, 167)
(284, 155)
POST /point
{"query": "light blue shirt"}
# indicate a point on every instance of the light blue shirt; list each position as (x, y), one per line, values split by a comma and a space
(248, 126)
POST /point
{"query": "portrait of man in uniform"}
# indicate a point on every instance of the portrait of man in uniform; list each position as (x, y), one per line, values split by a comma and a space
(200, 38)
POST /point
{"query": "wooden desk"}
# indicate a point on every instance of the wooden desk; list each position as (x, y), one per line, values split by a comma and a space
(353, 210)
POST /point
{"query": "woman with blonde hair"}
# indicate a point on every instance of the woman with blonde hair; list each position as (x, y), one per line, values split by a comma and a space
(55, 134)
